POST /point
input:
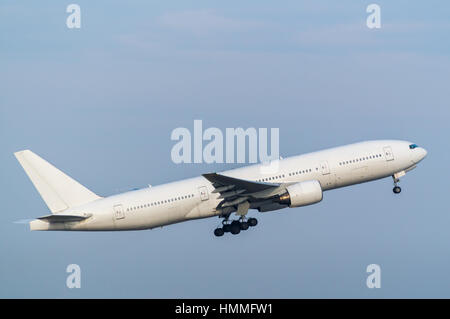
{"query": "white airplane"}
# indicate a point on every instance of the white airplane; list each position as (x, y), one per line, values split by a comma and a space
(299, 181)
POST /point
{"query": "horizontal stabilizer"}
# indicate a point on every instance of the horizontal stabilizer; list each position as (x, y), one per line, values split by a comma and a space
(64, 218)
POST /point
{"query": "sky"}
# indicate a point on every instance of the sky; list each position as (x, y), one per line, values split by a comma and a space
(100, 103)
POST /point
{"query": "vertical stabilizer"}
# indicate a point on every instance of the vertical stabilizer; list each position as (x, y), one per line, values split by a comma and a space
(58, 190)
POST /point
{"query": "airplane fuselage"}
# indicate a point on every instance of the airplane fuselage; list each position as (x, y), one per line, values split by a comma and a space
(195, 198)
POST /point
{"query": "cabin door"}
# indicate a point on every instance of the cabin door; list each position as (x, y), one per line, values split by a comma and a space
(118, 212)
(327, 180)
(388, 153)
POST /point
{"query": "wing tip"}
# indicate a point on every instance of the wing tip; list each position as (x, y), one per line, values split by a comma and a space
(19, 153)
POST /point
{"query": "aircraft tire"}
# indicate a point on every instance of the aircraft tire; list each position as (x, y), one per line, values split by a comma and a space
(252, 222)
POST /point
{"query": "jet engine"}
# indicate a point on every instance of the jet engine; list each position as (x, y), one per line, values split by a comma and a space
(302, 194)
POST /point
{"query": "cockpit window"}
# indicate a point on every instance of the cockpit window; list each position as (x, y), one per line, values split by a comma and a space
(413, 146)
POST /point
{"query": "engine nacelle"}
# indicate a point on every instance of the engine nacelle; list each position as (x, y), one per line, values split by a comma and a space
(302, 194)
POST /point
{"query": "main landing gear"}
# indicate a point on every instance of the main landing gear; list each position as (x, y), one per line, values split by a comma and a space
(235, 227)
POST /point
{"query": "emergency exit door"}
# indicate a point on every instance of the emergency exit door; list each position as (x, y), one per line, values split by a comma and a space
(203, 191)
(325, 169)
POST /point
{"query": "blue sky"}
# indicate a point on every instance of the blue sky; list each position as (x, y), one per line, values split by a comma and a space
(101, 102)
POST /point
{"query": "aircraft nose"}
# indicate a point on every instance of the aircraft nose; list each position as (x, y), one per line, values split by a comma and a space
(420, 154)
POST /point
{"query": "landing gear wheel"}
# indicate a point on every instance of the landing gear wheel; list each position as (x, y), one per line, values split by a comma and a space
(397, 189)
(219, 232)
(252, 222)
(226, 228)
(235, 228)
(244, 225)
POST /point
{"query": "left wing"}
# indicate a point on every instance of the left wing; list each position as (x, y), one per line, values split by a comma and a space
(242, 194)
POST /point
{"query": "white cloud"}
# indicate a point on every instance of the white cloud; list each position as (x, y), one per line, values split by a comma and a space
(203, 22)
(358, 35)
(341, 34)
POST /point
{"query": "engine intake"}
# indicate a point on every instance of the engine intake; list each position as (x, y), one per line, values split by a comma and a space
(302, 194)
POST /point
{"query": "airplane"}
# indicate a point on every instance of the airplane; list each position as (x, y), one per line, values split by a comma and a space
(299, 181)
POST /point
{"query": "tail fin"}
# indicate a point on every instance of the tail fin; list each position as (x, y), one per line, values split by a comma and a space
(58, 190)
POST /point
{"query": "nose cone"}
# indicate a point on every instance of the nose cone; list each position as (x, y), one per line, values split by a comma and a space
(420, 154)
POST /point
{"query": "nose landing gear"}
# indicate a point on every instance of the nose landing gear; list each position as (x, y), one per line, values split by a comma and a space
(397, 189)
